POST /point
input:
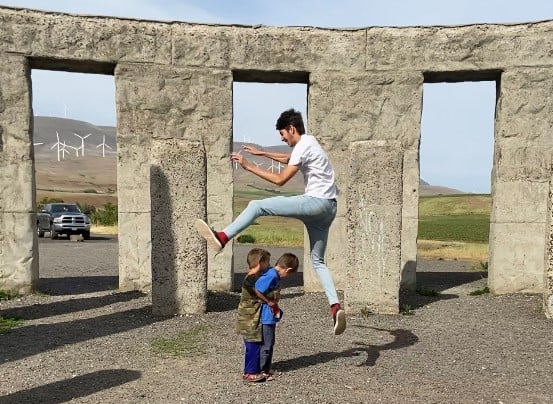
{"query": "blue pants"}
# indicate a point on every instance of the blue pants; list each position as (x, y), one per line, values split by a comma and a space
(251, 357)
(316, 213)
(266, 355)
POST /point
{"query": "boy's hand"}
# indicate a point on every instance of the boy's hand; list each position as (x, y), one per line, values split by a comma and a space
(239, 158)
(253, 150)
(276, 310)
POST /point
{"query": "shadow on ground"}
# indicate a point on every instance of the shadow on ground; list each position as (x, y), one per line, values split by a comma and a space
(69, 306)
(440, 281)
(77, 285)
(42, 338)
(430, 286)
(402, 339)
(69, 389)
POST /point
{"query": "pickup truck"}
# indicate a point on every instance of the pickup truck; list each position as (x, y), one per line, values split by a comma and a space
(62, 218)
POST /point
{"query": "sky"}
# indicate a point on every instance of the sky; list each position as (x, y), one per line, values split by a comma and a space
(457, 120)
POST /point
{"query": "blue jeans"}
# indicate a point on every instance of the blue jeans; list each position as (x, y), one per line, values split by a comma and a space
(316, 213)
(267, 346)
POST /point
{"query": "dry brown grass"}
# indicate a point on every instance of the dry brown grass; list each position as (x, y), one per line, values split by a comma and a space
(449, 250)
(97, 229)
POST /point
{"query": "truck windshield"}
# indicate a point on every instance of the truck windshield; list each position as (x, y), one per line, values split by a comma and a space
(65, 208)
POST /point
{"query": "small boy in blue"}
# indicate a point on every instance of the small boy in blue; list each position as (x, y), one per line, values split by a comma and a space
(269, 282)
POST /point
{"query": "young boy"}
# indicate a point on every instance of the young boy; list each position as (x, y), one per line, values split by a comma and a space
(267, 288)
(316, 208)
(249, 313)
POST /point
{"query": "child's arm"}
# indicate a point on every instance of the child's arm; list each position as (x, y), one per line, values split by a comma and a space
(264, 298)
(277, 295)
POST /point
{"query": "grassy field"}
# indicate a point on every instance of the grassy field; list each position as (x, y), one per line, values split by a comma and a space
(450, 227)
(454, 227)
(275, 231)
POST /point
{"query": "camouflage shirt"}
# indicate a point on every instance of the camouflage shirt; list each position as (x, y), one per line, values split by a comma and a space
(249, 311)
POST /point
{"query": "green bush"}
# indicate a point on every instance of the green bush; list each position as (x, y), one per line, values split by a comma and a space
(87, 209)
(246, 238)
(45, 200)
(105, 216)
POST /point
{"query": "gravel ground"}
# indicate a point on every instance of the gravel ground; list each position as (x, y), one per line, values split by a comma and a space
(84, 342)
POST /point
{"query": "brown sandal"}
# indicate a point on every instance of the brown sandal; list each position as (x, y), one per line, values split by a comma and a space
(270, 375)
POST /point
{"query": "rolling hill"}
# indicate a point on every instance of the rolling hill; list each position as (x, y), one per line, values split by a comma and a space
(87, 171)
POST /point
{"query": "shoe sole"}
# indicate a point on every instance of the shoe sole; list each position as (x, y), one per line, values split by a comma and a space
(340, 325)
(205, 231)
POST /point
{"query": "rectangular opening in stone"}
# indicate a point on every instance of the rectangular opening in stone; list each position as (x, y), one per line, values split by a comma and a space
(256, 108)
(75, 159)
(456, 158)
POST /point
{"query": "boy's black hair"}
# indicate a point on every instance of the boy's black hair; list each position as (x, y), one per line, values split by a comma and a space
(291, 117)
(288, 260)
(257, 255)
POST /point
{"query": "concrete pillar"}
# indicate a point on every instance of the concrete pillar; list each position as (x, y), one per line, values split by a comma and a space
(349, 106)
(410, 219)
(520, 181)
(18, 240)
(192, 104)
(135, 127)
(179, 256)
(374, 211)
(548, 293)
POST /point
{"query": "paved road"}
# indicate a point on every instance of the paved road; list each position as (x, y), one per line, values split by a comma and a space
(92, 265)
(68, 267)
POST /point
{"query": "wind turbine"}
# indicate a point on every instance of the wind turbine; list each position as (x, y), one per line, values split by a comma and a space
(279, 165)
(64, 150)
(82, 143)
(258, 164)
(273, 166)
(71, 147)
(57, 144)
(104, 145)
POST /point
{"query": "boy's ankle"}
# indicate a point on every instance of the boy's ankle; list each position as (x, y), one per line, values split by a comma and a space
(223, 238)
(334, 308)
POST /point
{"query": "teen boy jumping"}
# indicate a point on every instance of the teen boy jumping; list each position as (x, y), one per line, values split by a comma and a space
(316, 208)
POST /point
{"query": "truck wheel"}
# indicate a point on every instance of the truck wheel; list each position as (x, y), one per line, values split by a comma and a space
(39, 231)
(86, 235)
(53, 233)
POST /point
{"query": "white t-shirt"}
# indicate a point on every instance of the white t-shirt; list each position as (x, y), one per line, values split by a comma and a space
(318, 174)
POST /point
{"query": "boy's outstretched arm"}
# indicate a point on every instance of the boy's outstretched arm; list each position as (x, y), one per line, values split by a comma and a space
(276, 178)
(281, 157)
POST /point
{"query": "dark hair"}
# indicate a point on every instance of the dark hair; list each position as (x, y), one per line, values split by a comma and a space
(256, 255)
(288, 260)
(291, 117)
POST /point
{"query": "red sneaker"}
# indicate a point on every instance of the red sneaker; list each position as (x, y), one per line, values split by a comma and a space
(339, 316)
(213, 240)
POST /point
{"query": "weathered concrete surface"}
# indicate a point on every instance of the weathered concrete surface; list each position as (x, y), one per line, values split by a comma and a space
(174, 81)
(374, 227)
(548, 276)
(179, 255)
(345, 108)
(520, 181)
(18, 240)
